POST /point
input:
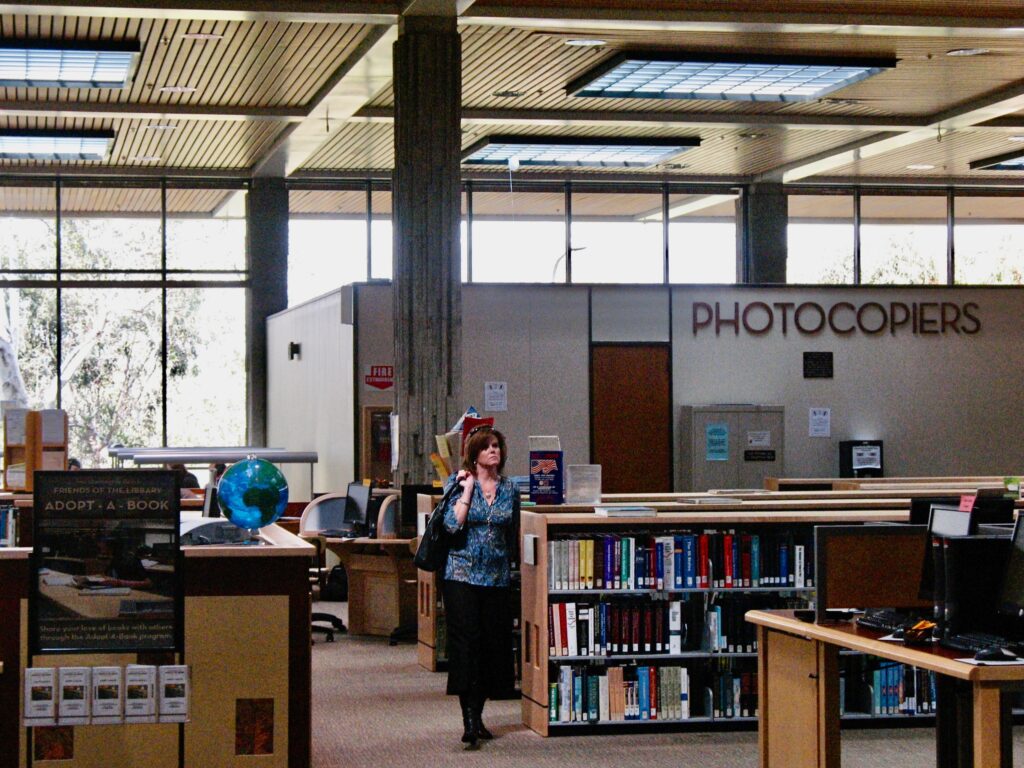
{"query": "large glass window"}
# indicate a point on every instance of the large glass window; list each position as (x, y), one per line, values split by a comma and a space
(903, 239)
(326, 241)
(617, 237)
(519, 234)
(103, 361)
(989, 240)
(702, 238)
(382, 244)
(820, 239)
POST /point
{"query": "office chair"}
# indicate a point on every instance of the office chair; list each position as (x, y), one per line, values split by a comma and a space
(315, 518)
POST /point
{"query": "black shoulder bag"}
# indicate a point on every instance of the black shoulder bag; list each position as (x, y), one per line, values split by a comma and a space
(432, 552)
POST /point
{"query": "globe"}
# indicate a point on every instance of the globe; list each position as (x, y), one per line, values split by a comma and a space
(252, 493)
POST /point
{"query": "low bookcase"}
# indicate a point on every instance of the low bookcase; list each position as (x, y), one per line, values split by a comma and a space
(639, 622)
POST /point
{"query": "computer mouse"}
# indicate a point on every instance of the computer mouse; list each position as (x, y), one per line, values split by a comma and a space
(995, 654)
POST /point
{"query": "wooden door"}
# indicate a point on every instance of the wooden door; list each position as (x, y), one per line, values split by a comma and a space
(631, 417)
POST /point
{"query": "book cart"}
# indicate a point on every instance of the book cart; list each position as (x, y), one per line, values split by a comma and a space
(644, 654)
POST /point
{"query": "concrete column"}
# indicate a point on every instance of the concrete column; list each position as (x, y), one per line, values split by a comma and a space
(267, 260)
(765, 233)
(426, 276)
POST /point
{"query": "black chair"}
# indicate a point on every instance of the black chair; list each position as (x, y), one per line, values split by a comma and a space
(309, 525)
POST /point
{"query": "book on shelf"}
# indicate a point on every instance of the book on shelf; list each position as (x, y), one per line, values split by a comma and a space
(623, 510)
(40, 706)
(107, 696)
(631, 692)
(174, 693)
(140, 693)
(73, 685)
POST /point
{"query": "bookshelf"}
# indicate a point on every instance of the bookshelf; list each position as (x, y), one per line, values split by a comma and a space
(641, 659)
(33, 440)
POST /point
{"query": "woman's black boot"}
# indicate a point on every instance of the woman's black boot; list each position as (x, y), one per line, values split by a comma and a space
(470, 723)
(481, 729)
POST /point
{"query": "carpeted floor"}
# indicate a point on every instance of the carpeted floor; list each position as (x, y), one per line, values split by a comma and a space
(373, 706)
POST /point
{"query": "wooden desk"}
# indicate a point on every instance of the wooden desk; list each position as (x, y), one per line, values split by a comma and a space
(798, 694)
(381, 584)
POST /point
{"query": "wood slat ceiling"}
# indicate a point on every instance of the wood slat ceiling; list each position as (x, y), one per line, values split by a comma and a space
(951, 156)
(539, 65)
(193, 144)
(722, 152)
(257, 63)
(75, 200)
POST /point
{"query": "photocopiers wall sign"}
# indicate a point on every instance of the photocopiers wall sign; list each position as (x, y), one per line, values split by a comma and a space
(843, 318)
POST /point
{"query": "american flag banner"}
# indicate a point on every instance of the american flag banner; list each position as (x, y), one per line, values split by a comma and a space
(543, 466)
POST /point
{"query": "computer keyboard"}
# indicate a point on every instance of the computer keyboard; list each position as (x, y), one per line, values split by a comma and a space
(886, 619)
(976, 641)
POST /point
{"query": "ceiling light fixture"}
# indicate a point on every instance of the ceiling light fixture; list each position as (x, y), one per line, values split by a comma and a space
(716, 77)
(585, 42)
(507, 94)
(1010, 161)
(145, 159)
(159, 127)
(968, 52)
(203, 36)
(582, 151)
(920, 167)
(176, 89)
(72, 64)
(55, 145)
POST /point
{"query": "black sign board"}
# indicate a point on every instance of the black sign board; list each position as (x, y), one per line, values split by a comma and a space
(759, 455)
(817, 365)
(106, 559)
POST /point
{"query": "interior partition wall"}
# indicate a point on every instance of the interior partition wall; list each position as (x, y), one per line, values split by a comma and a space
(123, 302)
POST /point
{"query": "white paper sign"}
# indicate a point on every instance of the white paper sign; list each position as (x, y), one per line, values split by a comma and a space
(820, 422)
(761, 438)
(495, 395)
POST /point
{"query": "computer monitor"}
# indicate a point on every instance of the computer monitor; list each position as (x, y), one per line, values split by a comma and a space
(1011, 596)
(947, 520)
(357, 505)
(921, 507)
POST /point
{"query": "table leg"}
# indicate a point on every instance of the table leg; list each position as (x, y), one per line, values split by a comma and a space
(992, 739)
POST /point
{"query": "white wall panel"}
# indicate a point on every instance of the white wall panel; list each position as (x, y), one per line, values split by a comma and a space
(310, 403)
(622, 314)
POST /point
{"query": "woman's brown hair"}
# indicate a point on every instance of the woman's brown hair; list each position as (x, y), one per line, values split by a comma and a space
(478, 440)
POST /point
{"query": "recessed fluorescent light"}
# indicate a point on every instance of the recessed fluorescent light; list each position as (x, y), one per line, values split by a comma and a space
(55, 145)
(159, 127)
(204, 36)
(716, 77)
(584, 151)
(920, 167)
(586, 42)
(145, 159)
(58, 64)
(507, 94)
(968, 52)
(176, 89)
(1011, 161)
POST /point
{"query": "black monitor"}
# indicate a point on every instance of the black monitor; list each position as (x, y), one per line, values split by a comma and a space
(921, 507)
(1011, 596)
(948, 520)
(357, 505)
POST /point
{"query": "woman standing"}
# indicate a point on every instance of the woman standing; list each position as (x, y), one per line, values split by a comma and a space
(476, 579)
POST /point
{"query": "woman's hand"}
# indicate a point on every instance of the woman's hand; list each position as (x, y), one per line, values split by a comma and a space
(466, 479)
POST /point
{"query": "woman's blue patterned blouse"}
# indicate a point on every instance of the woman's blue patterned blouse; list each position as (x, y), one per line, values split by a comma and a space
(491, 529)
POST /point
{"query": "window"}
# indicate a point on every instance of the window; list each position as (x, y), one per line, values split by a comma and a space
(326, 241)
(820, 239)
(989, 240)
(903, 239)
(519, 234)
(702, 237)
(617, 237)
(103, 362)
(382, 244)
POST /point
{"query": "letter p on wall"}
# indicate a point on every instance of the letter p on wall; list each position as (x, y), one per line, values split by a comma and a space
(702, 316)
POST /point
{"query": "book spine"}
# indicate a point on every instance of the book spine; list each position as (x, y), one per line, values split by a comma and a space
(689, 562)
(798, 566)
(727, 561)
(677, 562)
(553, 702)
(755, 560)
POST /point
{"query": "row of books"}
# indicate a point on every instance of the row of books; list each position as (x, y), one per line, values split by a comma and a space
(886, 688)
(8, 527)
(585, 695)
(633, 626)
(707, 560)
(137, 693)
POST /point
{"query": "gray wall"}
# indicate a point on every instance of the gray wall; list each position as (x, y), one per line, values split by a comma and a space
(943, 403)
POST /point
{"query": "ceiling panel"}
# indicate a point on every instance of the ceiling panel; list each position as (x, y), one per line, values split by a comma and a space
(327, 202)
(193, 144)
(256, 63)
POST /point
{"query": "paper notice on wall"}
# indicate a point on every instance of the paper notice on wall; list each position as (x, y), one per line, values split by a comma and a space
(495, 395)
(760, 438)
(819, 422)
(716, 442)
